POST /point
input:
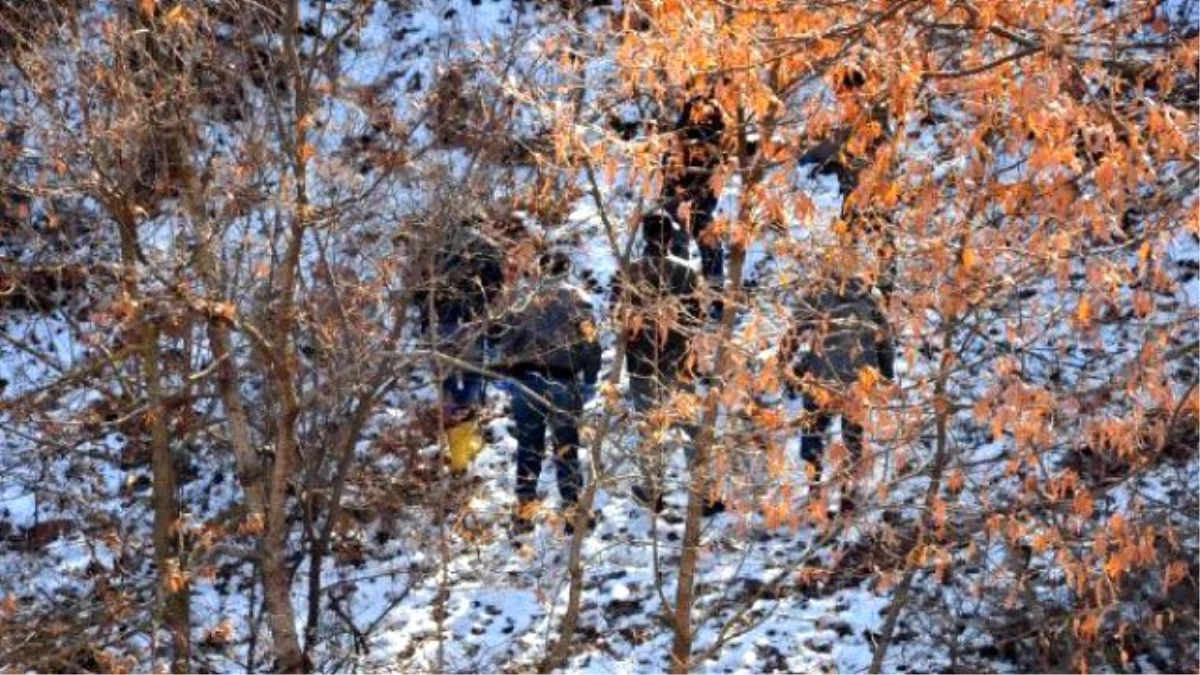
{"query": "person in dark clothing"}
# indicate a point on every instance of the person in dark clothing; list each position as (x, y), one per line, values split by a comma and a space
(661, 286)
(549, 347)
(664, 312)
(832, 155)
(873, 227)
(463, 280)
(846, 331)
(688, 195)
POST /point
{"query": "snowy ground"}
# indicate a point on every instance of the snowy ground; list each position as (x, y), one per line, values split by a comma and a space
(794, 599)
(507, 592)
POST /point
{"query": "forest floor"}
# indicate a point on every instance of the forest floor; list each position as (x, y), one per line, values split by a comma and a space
(421, 551)
(769, 599)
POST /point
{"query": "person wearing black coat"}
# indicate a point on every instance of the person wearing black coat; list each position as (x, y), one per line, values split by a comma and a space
(688, 195)
(664, 313)
(664, 302)
(844, 329)
(462, 282)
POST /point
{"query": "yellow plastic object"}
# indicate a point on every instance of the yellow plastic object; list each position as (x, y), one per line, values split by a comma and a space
(465, 444)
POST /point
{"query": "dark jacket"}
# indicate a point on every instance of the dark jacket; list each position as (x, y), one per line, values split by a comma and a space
(846, 330)
(689, 169)
(664, 312)
(701, 120)
(466, 276)
(552, 334)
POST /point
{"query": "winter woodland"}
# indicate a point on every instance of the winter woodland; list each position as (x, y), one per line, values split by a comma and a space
(233, 232)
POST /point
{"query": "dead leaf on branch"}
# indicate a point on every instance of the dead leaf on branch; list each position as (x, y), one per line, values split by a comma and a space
(224, 310)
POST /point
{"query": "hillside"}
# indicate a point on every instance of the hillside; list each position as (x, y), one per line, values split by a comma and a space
(221, 437)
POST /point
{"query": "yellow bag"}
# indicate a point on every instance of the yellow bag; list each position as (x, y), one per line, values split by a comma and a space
(465, 443)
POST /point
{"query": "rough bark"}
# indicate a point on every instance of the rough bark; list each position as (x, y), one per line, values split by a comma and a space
(681, 646)
(173, 586)
(173, 591)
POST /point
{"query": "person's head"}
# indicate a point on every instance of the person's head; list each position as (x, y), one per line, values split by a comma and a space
(474, 220)
(847, 282)
(658, 231)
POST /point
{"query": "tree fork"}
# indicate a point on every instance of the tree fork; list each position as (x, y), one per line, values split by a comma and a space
(681, 647)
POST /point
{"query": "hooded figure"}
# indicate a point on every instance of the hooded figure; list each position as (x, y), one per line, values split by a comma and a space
(688, 195)
(463, 281)
(846, 331)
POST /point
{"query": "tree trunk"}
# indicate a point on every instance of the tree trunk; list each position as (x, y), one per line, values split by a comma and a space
(346, 440)
(173, 584)
(282, 369)
(560, 651)
(281, 616)
(681, 647)
(173, 590)
(941, 455)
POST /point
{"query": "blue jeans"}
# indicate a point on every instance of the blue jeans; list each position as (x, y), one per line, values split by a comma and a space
(533, 420)
(462, 390)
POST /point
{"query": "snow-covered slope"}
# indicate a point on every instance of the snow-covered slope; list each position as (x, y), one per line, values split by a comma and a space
(426, 576)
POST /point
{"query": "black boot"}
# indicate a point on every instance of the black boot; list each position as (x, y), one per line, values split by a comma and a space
(569, 521)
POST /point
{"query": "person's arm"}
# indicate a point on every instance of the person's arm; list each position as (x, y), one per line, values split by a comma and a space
(510, 339)
(788, 344)
(683, 121)
(804, 323)
(491, 276)
(785, 359)
(614, 296)
(590, 352)
(693, 306)
(420, 300)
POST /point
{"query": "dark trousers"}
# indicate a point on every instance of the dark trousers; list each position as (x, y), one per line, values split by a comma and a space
(462, 390)
(533, 420)
(712, 263)
(812, 443)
